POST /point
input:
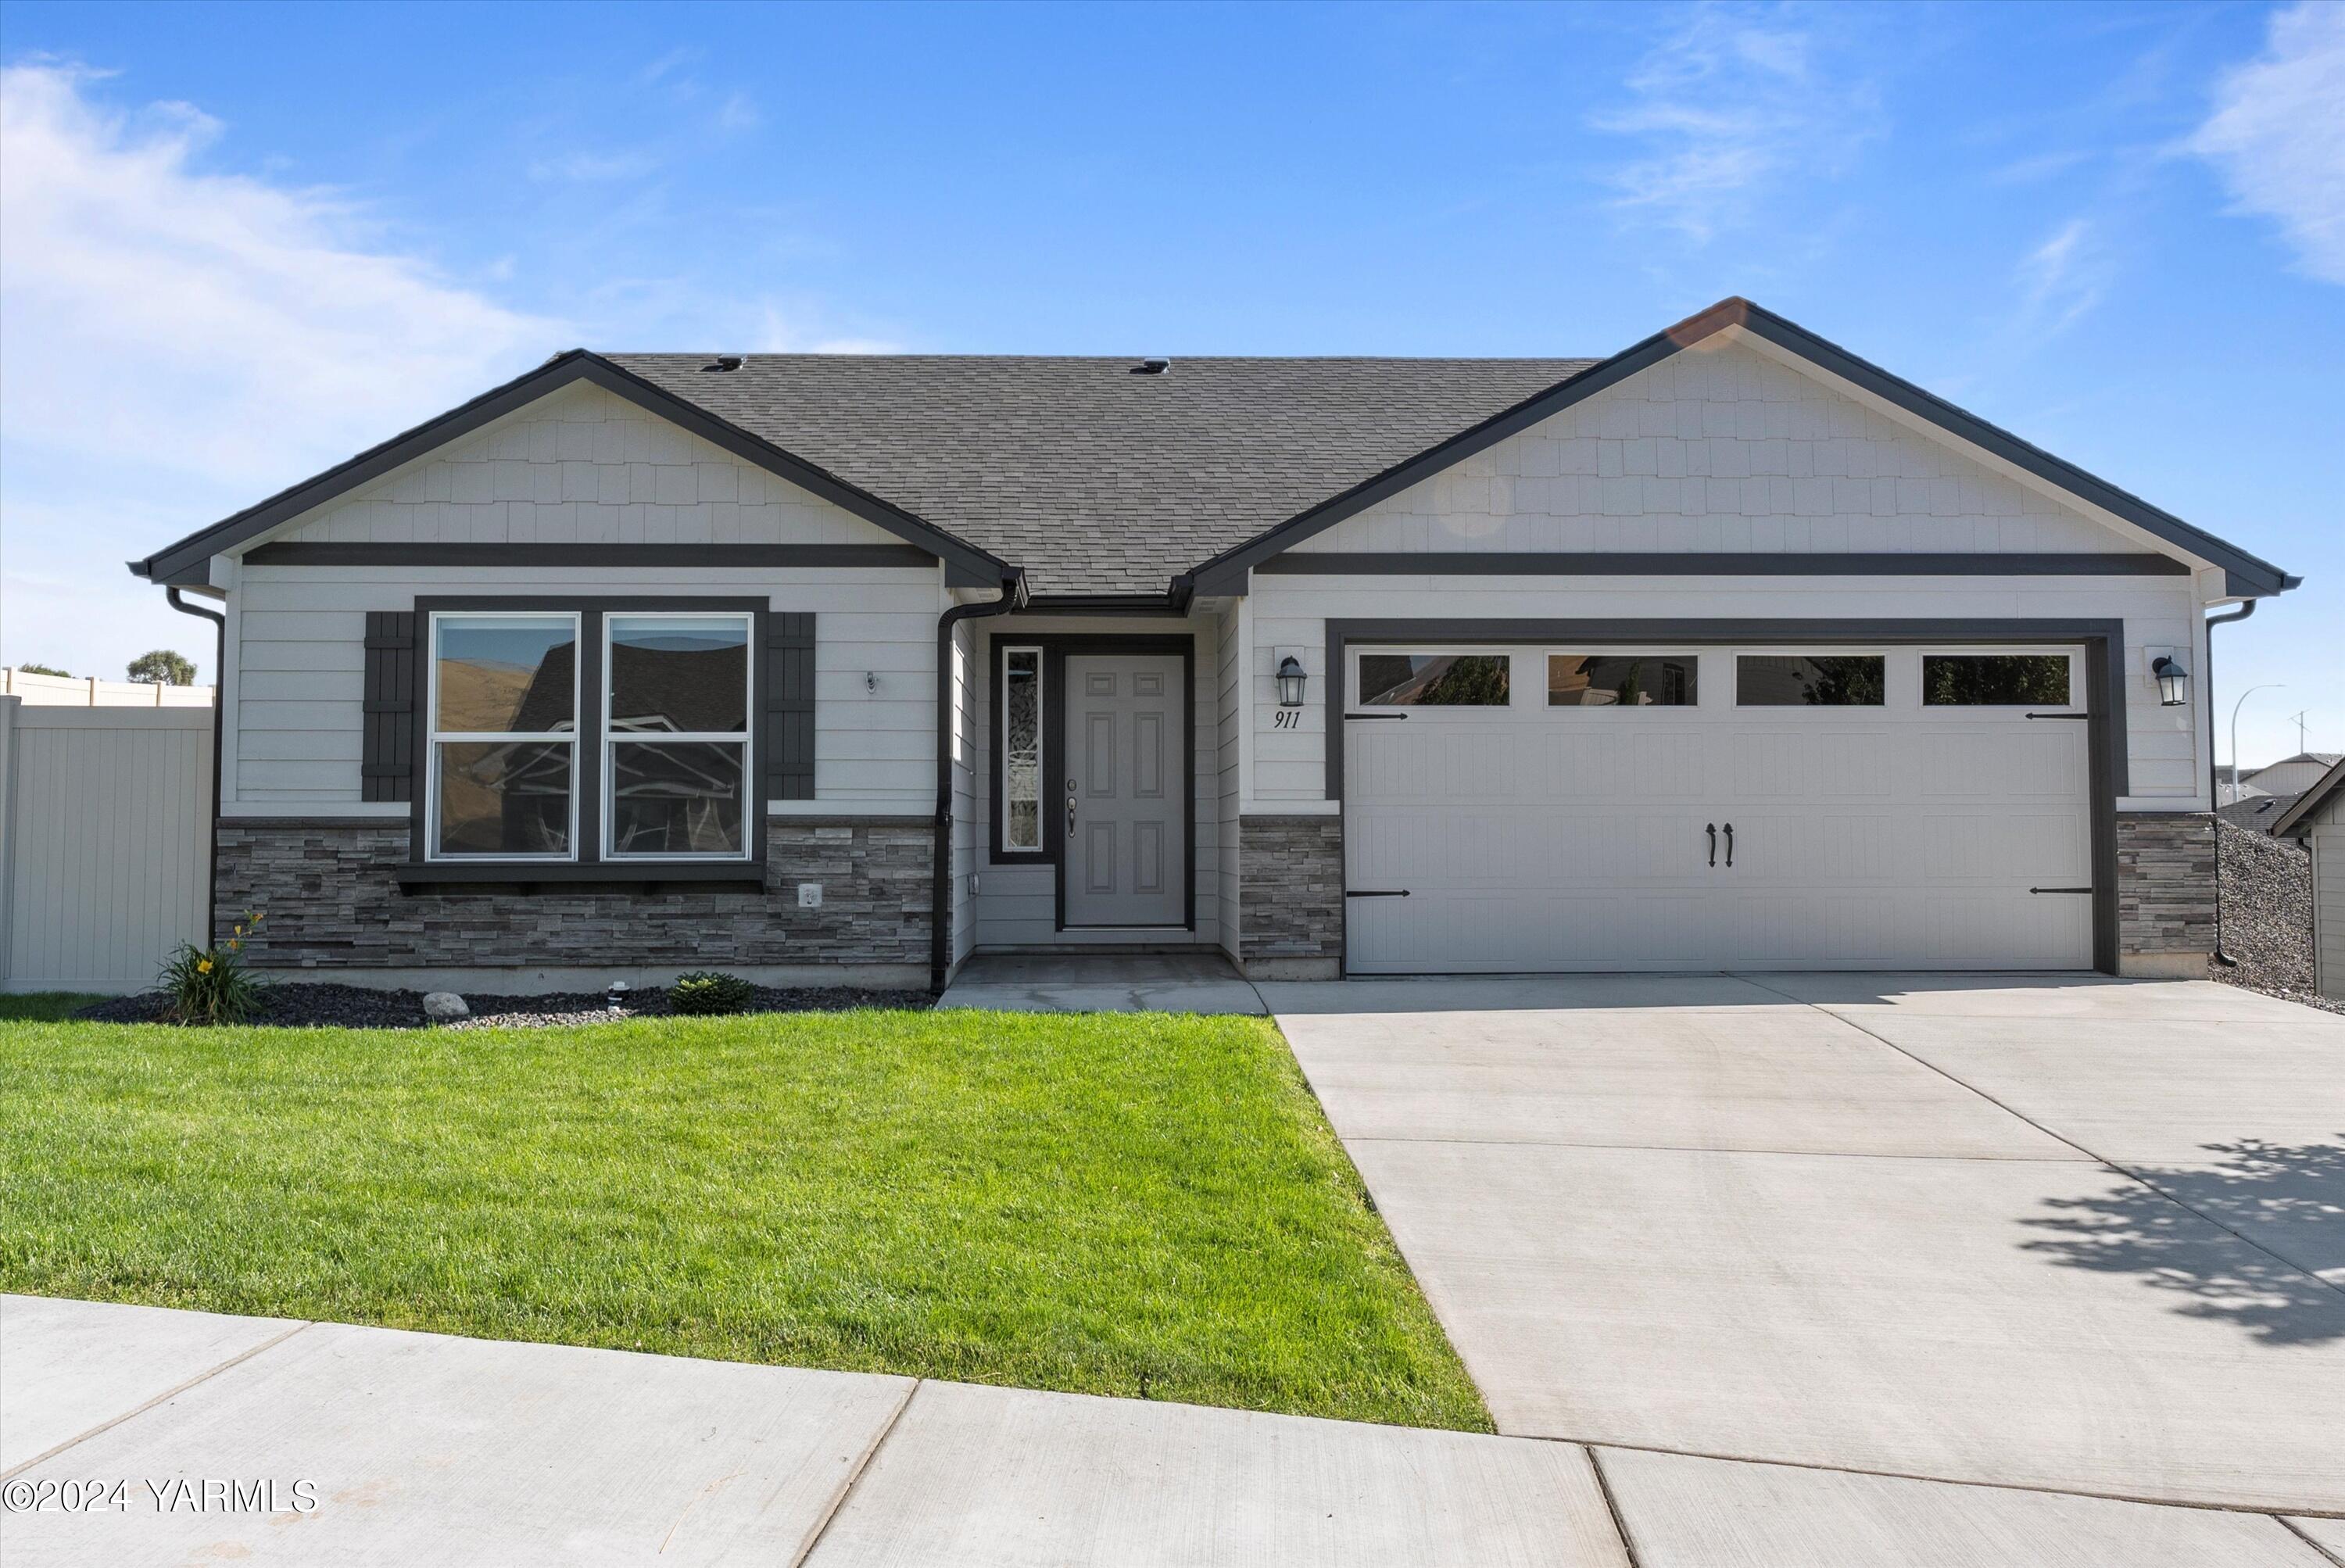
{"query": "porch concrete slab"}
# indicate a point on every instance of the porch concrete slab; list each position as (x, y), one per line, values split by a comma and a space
(977, 1477)
(69, 1367)
(2029, 1323)
(1450, 996)
(426, 1449)
(2150, 1089)
(1102, 982)
(2060, 995)
(1686, 1512)
(1786, 1078)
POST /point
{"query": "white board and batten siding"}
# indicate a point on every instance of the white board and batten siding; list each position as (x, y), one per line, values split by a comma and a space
(578, 466)
(1728, 451)
(105, 863)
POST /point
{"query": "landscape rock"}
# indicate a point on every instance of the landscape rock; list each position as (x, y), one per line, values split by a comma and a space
(445, 1006)
(2268, 918)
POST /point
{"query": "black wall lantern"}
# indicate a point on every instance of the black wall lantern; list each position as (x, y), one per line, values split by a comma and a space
(2173, 680)
(1290, 681)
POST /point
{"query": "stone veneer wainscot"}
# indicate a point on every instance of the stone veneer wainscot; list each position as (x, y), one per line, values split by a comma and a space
(333, 901)
(1291, 897)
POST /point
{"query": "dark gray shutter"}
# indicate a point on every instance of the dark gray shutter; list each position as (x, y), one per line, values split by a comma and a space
(789, 708)
(387, 765)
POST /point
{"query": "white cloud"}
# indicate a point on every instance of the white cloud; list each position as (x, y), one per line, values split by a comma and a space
(778, 334)
(1729, 108)
(2063, 277)
(2278, 133)
(180, 343)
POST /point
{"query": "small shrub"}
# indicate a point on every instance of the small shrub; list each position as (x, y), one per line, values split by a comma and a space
(705, 990)
(211, 985)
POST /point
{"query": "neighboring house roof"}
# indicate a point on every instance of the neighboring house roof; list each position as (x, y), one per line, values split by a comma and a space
(2254, 812)
(2301, 814)
(2320, 759)
(1093, 479)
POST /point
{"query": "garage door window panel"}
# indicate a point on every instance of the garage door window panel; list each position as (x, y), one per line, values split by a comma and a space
(1622, 680)
(1997, 680)
(1436, 680)
(1811, 680)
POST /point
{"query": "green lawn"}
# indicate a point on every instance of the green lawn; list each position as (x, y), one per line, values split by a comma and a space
(1136, 1203)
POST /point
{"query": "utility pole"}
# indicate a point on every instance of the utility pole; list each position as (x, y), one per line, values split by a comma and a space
(2298, 717)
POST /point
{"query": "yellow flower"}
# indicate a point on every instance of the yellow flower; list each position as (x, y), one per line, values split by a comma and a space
(240, 931)
(203, 966)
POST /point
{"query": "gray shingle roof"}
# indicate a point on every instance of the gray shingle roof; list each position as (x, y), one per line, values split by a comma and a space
(1092, 478)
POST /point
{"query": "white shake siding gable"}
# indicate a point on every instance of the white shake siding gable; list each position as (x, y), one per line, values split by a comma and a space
(583, 466)
(1722, 449)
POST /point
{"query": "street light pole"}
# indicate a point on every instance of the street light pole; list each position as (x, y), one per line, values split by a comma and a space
(2266, 686)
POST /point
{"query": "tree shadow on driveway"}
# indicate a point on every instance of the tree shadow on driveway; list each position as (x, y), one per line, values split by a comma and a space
(2288, 1200)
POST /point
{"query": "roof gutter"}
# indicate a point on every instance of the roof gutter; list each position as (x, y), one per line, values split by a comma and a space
(1012, 598)
(219, 699)
(2214, 774)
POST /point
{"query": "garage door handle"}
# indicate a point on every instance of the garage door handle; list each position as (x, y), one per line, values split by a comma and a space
(2059, 890)
(1376, 892)
(2077, 716)
(1729, 846)
(1363, 717)
(1712, 829)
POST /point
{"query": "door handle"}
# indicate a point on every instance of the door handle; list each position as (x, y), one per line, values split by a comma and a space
(1070, 807)
(1729, 846)
(1713, 830)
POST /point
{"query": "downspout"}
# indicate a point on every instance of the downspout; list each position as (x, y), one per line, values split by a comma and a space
(1013, 597)
(219, 698)
(2214, 778)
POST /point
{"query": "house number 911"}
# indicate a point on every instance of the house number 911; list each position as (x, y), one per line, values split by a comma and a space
(1288, 719)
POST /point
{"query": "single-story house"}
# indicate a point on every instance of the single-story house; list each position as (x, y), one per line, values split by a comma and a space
(2290, 775)
(1729, 650)
(2319, 818)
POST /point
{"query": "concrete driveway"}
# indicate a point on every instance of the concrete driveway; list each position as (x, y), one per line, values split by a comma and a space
(2070, 1234)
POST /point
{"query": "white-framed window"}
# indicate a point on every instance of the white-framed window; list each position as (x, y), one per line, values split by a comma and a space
(502, 755)
(674, 767)
(1021, 751)
(1410, 678)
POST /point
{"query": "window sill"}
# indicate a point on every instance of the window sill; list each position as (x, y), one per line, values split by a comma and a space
(570, 873)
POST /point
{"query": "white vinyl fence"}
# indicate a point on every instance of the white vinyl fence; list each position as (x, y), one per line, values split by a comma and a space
(105, 853)
(88, 691)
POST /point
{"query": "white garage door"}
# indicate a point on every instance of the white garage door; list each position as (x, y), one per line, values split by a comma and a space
(1779, 808)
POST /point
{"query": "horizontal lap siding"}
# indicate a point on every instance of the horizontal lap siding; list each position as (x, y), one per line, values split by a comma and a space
(2166, 763)
(1230, 714)
(298, 683)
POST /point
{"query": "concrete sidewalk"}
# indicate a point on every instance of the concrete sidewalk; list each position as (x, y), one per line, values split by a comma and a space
(390, 1447)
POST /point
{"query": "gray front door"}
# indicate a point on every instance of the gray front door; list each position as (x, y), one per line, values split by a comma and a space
(1123, 801)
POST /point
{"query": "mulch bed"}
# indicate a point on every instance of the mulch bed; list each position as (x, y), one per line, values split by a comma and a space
(2268, 918)
(307, 1006)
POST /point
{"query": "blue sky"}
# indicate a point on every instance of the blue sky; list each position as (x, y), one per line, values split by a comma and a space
(236, 244)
